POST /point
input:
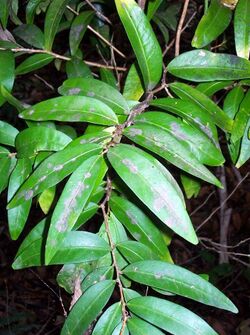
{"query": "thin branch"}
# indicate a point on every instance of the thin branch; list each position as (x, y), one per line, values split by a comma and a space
(222, 204)
(112, 245)
(55, 55)
(179, 29)
(98, 13)
(203, 204)
(229, 246)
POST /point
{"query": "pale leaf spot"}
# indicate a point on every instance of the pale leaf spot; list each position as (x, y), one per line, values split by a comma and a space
(132, 167)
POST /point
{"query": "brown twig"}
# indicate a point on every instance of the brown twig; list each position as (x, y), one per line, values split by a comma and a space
(203, 204)
(105, 211)
(218, 208)
(55, 55)
(179, 28)
(98, 13)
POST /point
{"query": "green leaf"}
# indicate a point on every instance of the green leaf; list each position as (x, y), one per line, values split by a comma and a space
(78, 29)
(130, 294)
(89, 211)
(7, 70)
(232, 101)
(69, 273)
(52, 170)
(170, 317)
(74, 197)
(191, 185)
(138, 326)
(109, 320)
(7, 134)
(178, 280)
(32, 7)
(245, 147)
(242, 29)
(143, 41)
(133, 88)
(170, 148)
(220, 118)
(203, 65)
(46, 199)
(77, 247)
(190, 137)
(5, 164)
(11, 99)
(99, 90)
(135, 251)
(191, 112)
(108, 77)
(150, 181)
(211, 88)
(87, 308)
(17, 216)
(138, 224)
(119, 328)
(241, 119)
(52, 20)
(30, 34)
(77, 68)
(97, 275)
(71, 109)
(4, 13)
(212, 24)
(32, 140)
(33, 62)
(153, 5)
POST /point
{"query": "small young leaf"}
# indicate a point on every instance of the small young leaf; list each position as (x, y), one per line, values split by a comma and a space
(220, 118)
(109, 320)
(133, 88)
(32, 140)
(170, 317)
(203, 65)
(76, 68)
(147, 178)
(212, 24)
(242, 28)
(45, 199)
(97, 275)
(33, 62)
(178, 280)
(78, 29)
(52, 20)
(232, 101)
(87, 308)
(108, 77)
(99, 90)
(71, 109)
(52, 170)
(191, 185)
(143, 41)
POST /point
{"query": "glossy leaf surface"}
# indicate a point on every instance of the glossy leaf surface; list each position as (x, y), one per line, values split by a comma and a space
(133, 87)
(178, 280)
(203, 65)
(211, 88)
(87, 308)
(220, 118)
(74, 197)
(143, 41)
(52, 170)
(8, 134)
(241, 119)
(135, 251)
(212, 24)
(109, 320)
(242, 29)
(170, 317)
(96, 89)
(52, 20)
(33, 62)
(7, 69)
(32, 140)
(148, 179)
(71, 109)
(170, 148)
(245, 147)
(138, 326)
